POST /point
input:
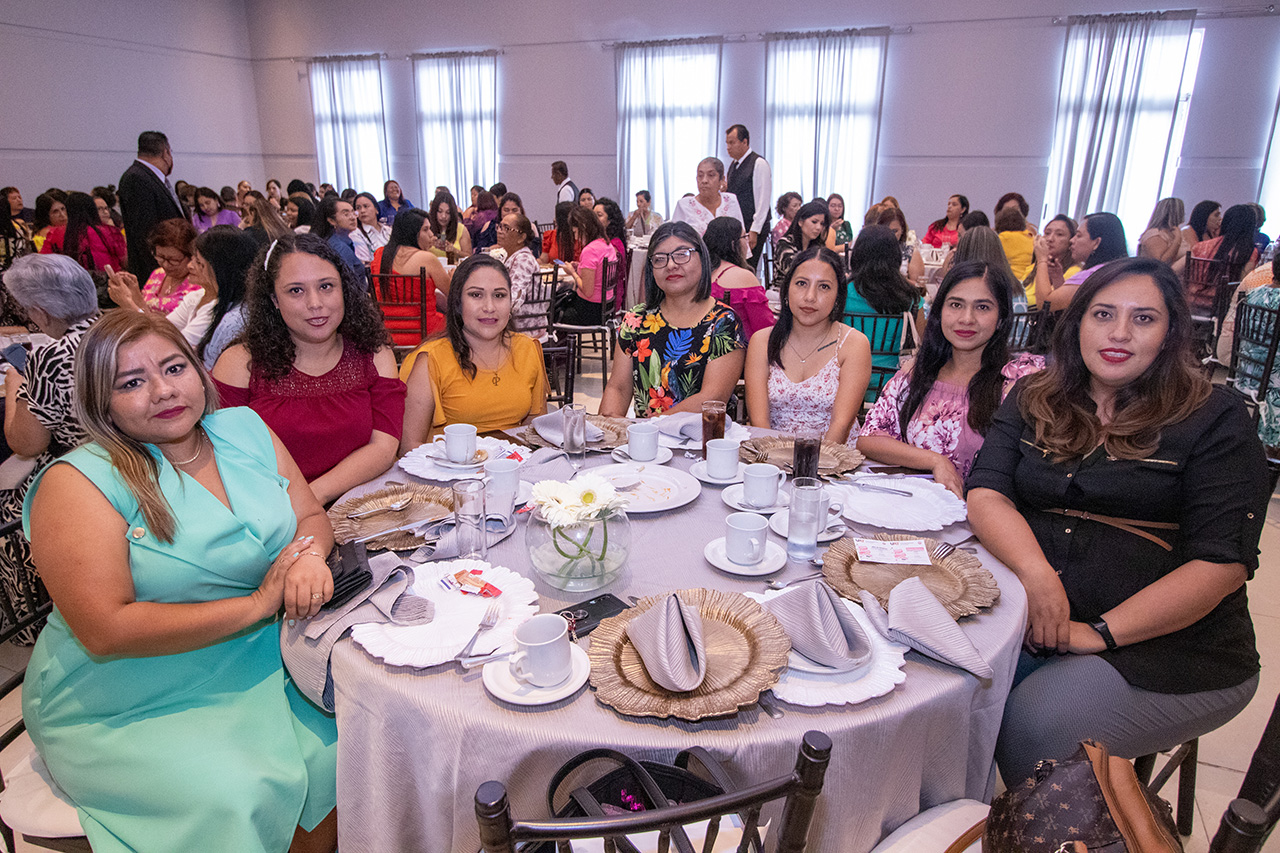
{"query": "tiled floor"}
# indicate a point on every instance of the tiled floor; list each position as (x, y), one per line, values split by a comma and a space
(1224, 754)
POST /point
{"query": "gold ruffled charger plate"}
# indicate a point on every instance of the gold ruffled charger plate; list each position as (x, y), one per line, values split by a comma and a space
(833, 459)
(428, 502)
(746, 648)
(958, 580)
(615, 434)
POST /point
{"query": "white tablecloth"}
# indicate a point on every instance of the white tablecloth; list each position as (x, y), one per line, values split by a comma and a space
(414, 744)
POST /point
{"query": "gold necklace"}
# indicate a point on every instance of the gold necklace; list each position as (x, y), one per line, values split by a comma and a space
(199, 450)
(817, 349)
(496, 378)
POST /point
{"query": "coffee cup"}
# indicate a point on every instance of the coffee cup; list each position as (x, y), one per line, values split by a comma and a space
(459, 443)
(642, 441)
(542, 656)
(503, 486)
(745, 536)
(760, 482)
(722, 458)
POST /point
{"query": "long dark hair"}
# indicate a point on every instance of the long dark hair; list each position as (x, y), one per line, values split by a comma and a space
(229, 251)
(585, 223)
(450, 231)
(44, 206)
(987, 385)
(1108, 228)
(653, 294)
(564, 233)
(1056, 401)
(1199, 219)
(806, 211)
(322, 227)
(939, 224)
(267, 338)
(875, 268)
(453, 307)
(306, 210)
(786, 320)
(722, 237)
(1239, 224)
(616, 229)
(373, 201)
(82, 214)
(404, 232)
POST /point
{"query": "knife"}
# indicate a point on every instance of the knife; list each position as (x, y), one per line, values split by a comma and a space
(421, 522)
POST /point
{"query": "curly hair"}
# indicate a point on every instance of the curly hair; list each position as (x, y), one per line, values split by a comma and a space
(271, 349)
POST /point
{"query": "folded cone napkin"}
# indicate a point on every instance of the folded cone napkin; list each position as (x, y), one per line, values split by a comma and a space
(668, 637)
(919, 620)
(551, 427)
(820, 626)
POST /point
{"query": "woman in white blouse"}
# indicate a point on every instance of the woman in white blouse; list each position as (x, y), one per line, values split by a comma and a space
(370, 234)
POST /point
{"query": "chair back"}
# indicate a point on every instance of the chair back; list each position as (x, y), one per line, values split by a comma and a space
(534, 316)
(543, 228)
(1253, 352)
(886, 333)
(561, 361)
(1023, 330)
(499, 832)
(1200, 278)
(1251, 817)
(403, 300)
(24, 607)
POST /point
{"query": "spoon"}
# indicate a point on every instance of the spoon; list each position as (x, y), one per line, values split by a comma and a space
(776, 584)
(392, 507)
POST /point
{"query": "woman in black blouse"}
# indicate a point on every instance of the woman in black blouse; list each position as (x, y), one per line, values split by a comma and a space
(1128, 495)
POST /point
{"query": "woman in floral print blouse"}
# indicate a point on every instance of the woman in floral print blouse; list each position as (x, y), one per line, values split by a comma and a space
(682, 346)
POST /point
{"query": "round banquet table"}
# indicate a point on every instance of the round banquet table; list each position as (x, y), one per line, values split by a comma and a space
(414, 744)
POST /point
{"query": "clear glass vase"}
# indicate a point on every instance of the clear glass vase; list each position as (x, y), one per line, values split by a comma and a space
(582, 556)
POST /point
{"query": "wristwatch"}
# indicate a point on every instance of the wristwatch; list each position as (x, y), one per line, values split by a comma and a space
(1103, 631)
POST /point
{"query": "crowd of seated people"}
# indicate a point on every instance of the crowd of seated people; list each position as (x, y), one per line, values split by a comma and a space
(257, 328)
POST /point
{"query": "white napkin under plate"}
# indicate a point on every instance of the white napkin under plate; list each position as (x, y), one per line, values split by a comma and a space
(668, 637)
(917, 618)
(551, 427)
(820, 627)
(684, 429)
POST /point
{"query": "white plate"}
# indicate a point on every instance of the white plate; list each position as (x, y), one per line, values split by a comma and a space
(457, 617)
(930, 507)
(663, 456)
(778, 524)
(524, 493)
(806, 683)
(421, 461)
(500, 683)
(775, 557)
(732, 496)
(699, 470)
(659, 488)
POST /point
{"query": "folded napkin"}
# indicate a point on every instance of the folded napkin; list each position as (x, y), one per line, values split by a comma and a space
(820, 626)
(918, 619)
(668, 637)
(307, 644)
(446, 547)
(551, 427)
(680, 428)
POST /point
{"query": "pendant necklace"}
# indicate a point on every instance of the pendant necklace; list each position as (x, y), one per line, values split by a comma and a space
(805, 359)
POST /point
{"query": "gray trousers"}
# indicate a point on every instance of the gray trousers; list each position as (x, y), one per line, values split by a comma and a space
(1056, 702)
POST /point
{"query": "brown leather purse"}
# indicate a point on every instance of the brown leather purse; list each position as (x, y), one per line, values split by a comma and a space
(1091, 802)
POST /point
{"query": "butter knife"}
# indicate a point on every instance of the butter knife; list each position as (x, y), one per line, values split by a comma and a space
(874, 488)
(421, 522)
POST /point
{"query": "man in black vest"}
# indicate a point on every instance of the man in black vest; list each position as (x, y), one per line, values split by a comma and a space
(751, 180)
(147, 198)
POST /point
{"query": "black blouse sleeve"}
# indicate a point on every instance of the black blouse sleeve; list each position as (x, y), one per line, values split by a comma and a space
(998, 459)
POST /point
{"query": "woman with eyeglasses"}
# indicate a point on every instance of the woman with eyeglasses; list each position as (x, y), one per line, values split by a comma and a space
(681, 347)
(173, 244)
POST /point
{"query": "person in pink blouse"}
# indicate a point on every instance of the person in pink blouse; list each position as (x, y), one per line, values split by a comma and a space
(934, 414)
(582, 305)
(93, 245)
(731, 281)
(172, 243)
(946, 231)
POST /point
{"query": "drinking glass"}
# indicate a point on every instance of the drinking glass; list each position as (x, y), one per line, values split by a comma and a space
(804, 461)
(712, 422)
(575, 434)
(807, 516)
(469, 519)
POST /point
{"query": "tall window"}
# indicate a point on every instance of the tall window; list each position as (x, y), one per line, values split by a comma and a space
(1269, 189)
(351, 142)
(457, 95)
(1126, 82)
(822, 112)
(668, 117)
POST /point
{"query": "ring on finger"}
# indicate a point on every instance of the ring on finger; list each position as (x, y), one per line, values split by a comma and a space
(316, 596)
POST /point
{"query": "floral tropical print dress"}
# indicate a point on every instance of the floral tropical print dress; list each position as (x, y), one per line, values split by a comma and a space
(668, 362)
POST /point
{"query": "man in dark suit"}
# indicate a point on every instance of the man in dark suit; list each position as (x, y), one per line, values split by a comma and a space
(751, 180)
(147, 198)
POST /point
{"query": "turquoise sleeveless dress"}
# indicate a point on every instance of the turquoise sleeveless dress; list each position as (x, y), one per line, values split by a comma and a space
(212, 749)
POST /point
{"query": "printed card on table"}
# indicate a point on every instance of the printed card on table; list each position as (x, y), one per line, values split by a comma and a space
(905, 552)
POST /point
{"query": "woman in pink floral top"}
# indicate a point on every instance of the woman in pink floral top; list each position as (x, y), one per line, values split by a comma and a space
(933, 415)
(173, 243)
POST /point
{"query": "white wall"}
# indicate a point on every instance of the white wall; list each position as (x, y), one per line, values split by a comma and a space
(82, 80)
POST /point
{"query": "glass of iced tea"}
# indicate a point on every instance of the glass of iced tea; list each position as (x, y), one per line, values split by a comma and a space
(712, 422)
(804, 461)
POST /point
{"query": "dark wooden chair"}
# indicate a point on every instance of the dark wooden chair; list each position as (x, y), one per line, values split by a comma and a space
(885, 333)
(561, 363)
(534, 317)
(1253, 352)
(500, 832)
(403, 300)
(1207, 332)
(599, 336)
(1200, 278)
(543, 228)
(1023, 331)
(1183, 758)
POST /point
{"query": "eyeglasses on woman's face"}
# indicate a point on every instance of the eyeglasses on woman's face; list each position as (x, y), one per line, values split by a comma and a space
(679, 257)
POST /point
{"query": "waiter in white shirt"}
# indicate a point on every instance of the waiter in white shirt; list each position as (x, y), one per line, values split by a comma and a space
(566, 190)
(751, 182)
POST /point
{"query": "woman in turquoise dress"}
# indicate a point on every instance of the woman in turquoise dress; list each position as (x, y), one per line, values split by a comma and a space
(156, 693)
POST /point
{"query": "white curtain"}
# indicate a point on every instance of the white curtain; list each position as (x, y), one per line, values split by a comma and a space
(1269, 189)
(457, 97)
(351, 141)
(668, 117)
(822, 113)
(1116, 117)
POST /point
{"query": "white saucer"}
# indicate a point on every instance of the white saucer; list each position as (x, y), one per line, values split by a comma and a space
(525, 493)
(619, 454)
(502, 685)
(778, 524)
(476, 462)
(775, 557)
(733, 497)
(699, 470)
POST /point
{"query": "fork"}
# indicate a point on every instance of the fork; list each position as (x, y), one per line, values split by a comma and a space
(487, 621)
(946, 549)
